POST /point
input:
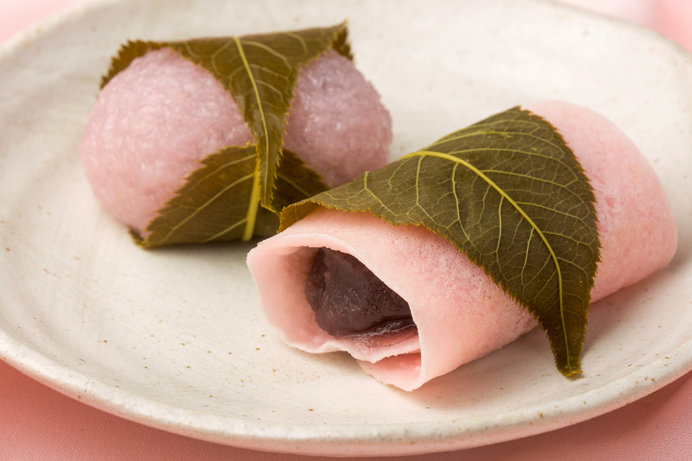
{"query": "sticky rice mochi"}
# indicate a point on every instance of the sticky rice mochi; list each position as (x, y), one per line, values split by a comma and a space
(155, 120)
(458, 313)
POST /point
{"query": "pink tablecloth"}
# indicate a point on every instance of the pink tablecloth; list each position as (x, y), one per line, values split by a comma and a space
(37, 423)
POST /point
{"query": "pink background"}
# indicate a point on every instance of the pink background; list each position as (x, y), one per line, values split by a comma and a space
(37, 423)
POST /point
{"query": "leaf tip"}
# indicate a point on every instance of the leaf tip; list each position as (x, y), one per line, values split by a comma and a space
(138, 240)
(573, 371)
(340, 43)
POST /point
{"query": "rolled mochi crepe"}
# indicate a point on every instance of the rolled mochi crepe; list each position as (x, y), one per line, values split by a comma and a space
(459, 312)
(157, 119)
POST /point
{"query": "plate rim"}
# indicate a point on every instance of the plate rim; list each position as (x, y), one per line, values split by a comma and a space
(91, 391)
(100, 395)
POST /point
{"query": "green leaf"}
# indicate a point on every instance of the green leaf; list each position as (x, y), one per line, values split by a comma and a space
(127, 53)
(296, 181)
(213, 204)
(259, 72)
(510, 194)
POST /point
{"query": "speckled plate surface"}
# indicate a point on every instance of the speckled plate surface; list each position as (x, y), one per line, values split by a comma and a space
(174, 338)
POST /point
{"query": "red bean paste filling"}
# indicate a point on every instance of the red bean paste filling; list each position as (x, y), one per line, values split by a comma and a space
(348, 299)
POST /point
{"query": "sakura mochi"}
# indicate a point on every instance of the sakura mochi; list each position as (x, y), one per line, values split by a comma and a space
(156, 120)
(457, 312)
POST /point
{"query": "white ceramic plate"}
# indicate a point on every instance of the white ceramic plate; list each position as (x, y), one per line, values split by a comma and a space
(174, 338)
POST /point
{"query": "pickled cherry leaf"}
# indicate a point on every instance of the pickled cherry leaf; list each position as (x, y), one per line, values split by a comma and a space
(212, 205)
(260, 73)
(511, 195)
(295, 181)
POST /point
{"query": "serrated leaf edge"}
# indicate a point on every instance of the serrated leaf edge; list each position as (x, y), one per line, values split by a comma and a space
(339, 43)
(255, 194)
(519, 209)
(301, 209)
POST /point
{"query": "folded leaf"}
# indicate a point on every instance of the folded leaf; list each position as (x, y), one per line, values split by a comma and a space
(510, 194)
(214, 204)
(259, 72)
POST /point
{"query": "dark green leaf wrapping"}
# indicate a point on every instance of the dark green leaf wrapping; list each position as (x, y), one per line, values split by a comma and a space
(259, 72)
(510, 194)
(212, 206)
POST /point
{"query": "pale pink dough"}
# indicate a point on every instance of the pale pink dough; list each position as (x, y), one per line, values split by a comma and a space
(460, 313)
(154, 122)
(337, 122)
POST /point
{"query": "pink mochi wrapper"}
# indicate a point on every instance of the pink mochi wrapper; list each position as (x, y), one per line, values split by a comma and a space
(155, 121)
(460, 313)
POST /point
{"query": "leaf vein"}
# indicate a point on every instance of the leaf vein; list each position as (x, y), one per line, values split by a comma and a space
(208, 202)
(499, 190)
(269, 50)
(253, 206)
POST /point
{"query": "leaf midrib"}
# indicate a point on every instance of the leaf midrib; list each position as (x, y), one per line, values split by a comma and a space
(253, 205)
(503, 194)
(210, 200)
